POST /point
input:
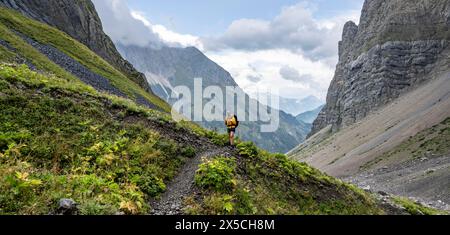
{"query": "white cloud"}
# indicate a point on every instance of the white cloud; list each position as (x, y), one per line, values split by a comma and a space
(266, 64)
(292, 74)
(293, 53)
(253, 78)
(122, 27)
(133, 27)
(293, 29)
(169, 37)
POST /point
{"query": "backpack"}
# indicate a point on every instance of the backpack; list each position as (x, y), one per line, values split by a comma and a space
(233, 123)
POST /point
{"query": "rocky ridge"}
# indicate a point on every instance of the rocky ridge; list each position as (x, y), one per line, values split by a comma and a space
(80, 20)
(84, 74)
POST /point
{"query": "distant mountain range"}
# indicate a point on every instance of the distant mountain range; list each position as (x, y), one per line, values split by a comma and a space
(310, 116)
(297, 106)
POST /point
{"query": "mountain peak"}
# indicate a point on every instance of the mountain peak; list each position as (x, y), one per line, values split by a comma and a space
(350, 30)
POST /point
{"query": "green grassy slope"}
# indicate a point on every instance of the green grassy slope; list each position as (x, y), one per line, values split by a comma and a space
(11, 22)
(60, 139)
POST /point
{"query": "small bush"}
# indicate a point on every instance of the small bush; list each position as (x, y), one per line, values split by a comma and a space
(94, 208)
(244, 202)
(217, 174)
(220, 204)
(188, 152)
(151, 185)
(216, 138)
(18, 188)
(247, 149)
(12, 137)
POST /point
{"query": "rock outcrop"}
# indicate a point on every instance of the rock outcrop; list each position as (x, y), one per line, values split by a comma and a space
(80, 20)
(396, 45)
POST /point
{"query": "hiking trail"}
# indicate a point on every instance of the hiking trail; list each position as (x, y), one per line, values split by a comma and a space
(171, 202)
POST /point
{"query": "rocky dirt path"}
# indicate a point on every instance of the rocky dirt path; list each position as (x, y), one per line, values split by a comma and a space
(171, 202)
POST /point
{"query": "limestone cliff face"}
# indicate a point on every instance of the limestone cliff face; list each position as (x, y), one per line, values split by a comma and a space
(396, 45)
(80, 20)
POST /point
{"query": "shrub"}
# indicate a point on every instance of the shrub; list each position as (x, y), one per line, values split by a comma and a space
(219, 204)
(151, 185)
(247, 149)
(12, 137)
(216, 138)
(94, 208)
(188, 152)
(217, 174)
(18, 188)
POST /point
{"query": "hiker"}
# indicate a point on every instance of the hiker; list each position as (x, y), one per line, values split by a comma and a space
(232, 122)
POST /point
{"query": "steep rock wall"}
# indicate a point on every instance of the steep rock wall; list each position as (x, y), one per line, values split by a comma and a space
(395, 46)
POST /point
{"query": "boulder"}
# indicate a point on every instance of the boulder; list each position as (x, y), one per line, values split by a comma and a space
(67, 207)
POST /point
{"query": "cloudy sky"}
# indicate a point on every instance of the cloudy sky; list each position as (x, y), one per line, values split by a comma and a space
(287, 46)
